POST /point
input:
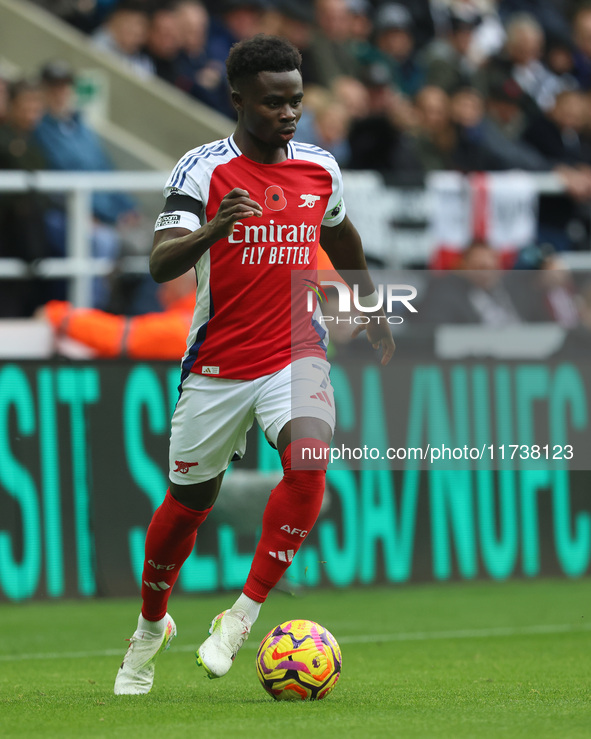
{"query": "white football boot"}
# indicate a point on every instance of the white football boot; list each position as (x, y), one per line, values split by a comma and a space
(229, 630)
(136, 674)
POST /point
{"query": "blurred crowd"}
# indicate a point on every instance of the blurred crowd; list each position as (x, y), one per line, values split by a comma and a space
(41, 129)
(403, 88)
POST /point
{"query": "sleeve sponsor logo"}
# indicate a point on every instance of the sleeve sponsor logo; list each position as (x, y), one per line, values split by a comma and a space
(336, 210)
(168, 219)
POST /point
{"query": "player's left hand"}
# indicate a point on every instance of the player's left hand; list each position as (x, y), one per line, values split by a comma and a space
(379, 335)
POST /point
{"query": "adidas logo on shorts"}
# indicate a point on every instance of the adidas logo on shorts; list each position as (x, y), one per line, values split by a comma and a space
(323, 396)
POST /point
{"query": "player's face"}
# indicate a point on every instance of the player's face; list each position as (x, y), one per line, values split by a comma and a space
(270, 106)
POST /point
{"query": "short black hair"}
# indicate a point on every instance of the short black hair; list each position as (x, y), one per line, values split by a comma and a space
(21, 86)
(262, 53)
(145, 7)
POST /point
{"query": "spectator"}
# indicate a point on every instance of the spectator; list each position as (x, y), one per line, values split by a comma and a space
(360, 25)
(505, 108)
(23, 226)
(327, 126)
(4, 93)
(560, 135)
(423, 14)
(446, 59)
(164, 40)
(577, 343)
(550, 14)
(436, 135)
(315, 96)
(69, 144)
(195, 71)
(454, 134)
(487, 37)
(159, 335)
(560, 60)
(478, 292)
(495, 150)
(330, 49)
(553, 294)
(581, 29)
(380, 139)
(393, 47)
(86, 15)
(353, 94)
(296, 24)
(522, 61)
(525, 45)
(238, 19)
(18, 150)
(125, 33)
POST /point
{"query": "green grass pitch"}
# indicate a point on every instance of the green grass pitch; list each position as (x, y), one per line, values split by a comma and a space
(456, 660)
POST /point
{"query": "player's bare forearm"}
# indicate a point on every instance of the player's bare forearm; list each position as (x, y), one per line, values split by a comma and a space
(343, 245)
(177, 250)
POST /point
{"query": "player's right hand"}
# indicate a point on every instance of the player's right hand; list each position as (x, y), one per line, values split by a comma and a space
(379, 336)
(235, 206)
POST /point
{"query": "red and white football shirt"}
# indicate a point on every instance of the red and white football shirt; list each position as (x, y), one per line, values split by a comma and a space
(242, 325)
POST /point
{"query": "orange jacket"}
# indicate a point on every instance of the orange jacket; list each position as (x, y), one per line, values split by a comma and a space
(150, 336)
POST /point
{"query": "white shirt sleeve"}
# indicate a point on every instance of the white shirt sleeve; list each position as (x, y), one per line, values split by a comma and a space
(178, 217)
(335, 210)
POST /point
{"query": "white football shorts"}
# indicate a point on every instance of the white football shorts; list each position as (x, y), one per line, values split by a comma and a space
(213, 415)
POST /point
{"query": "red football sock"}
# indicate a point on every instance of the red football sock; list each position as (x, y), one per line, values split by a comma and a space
(169, 541)
(290, 514)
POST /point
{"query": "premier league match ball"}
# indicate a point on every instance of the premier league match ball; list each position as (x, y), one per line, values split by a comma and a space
(299, 660)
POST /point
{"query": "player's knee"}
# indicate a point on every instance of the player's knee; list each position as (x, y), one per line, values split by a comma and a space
(304, 469)
(306, 483)
(306, 455)
(198, 496)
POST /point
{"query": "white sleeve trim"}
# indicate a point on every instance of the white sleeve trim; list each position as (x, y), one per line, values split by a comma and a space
(335, 215)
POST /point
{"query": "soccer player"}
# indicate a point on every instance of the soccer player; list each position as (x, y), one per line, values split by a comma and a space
(246, 212)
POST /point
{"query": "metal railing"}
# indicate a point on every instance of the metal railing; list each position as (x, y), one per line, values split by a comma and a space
(78, 187)
(79, 266)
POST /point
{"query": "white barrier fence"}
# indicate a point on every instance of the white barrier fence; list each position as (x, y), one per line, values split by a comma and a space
(394, 222)
(77, 187)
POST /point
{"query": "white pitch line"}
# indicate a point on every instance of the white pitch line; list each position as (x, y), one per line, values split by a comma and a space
(466, 633)
(410, 636)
